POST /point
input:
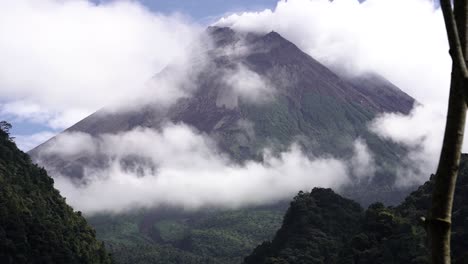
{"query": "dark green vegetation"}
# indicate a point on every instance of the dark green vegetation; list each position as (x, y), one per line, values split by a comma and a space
(36, 225)
(171, 236)
(323, 227)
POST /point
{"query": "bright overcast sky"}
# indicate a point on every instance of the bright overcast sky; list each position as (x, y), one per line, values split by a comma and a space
(202, 12)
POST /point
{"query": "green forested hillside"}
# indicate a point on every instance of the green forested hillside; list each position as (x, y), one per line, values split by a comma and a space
(36, 225)
(305, 103)
(168, 236)
(322, 227)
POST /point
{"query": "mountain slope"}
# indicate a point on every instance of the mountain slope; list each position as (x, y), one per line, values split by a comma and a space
(36, 225)
(298, 101)
(303, 102)
(322, 227)
(171, 236)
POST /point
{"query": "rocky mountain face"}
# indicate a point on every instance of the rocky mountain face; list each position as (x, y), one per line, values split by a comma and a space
(36, 225)
(323, 227)
(297, 100)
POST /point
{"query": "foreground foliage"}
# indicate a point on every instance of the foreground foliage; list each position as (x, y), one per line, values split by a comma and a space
(322, 227)
(36, 225)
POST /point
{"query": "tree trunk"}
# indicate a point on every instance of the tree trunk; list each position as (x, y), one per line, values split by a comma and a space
(446, 176)
(440, 215)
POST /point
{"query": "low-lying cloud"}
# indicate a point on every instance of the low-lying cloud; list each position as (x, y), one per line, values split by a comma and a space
(362, 163)
(180, 167)
(421, 132)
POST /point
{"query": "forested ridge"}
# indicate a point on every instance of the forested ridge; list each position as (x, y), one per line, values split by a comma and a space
(168, 236)
(36, 224)
(323, 227)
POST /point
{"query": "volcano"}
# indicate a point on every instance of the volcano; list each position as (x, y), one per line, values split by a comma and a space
(248, 92)
(296, 100)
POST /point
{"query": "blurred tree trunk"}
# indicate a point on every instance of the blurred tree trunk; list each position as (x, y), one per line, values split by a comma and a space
(439, 218)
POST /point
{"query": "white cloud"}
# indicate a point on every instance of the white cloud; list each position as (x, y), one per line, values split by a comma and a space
(362, 163)
(27, 142)
(71, 144)
(402, 40)
(183, 168)
(421, 133)
(28, 111)
(70, 58)
(246, 85)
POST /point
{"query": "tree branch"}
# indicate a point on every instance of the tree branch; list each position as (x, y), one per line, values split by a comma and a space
(456, 50)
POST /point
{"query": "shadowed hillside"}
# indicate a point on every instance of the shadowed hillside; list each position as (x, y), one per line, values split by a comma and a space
(322, 227)
(36, 225)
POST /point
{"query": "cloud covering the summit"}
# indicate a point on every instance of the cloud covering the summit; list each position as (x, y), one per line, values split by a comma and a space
(403, 40)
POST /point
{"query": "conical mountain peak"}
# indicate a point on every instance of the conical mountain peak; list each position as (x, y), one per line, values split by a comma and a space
(286, 96)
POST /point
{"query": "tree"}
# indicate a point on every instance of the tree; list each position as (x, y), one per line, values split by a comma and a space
(5, 126)
(440, 214)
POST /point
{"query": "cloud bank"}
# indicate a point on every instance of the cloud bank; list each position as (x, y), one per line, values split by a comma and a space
(28, 141)
(241, 83)
(380, 36)
(177, 166)
(402, 40)
(421, 133)
(63, 60)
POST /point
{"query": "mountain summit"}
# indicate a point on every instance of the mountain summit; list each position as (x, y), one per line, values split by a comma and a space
(256, 91)
(247, 92)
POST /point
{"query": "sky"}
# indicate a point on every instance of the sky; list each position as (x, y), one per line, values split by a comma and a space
(31, 128)
(205, 11)
(29, 132)
(64, 59)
